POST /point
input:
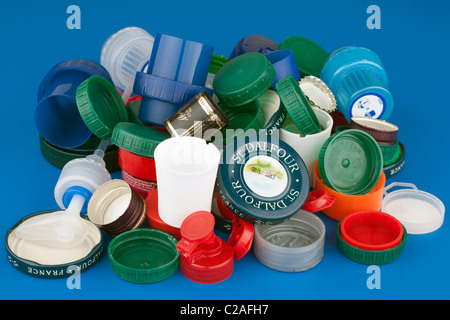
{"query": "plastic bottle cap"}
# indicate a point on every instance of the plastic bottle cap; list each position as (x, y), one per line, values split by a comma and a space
(180, 60)
(391, 152)
(297, 106)
(261, 180)
(346, 204)
(124, 53)
(393, 169)
(284, 63)
(242, 120)
(358, 75)
(59, 157)
(50, 262)
(257, 43)
(419, 211)
(380, 130)
(167, 90)
(275, 113)
(309, 56)
(243, 79)
(116, 208)
(137, 166)
(294, 245)
(351, 162)
(100, 106)
(318, 93)
(143, 255)
(142, 187)
(217, 62)
(371, 230)
(205, 257)
(56, 116)
(138, 139)
(370, 257)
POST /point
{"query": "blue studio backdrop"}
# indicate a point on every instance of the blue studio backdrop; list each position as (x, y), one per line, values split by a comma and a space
(411, 39)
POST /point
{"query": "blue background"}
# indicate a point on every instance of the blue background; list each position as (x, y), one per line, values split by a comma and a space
(413, 44)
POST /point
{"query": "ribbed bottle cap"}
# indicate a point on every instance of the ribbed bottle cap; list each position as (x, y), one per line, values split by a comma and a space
(380, 130)
(116, 208)
(350, 162)
(137, 138)
(100, 106)
(297, 106)
(309, 56)
(370, 257)
(243, 79)
(143, 255)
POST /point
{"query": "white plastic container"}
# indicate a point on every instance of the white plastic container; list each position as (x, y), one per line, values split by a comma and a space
(186, 170)
(308, 147)
(419, 211)
(123, 54)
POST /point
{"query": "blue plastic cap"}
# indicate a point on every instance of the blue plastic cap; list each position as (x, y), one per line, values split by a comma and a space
(148, 85)
(155, 112)
(180, 60)
(359, 82)
(71, 191)
(284, 64)
(56, 116)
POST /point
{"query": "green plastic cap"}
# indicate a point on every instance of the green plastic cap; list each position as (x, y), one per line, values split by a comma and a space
(243, 79)
(370, 257)
(137, 138)
(143, 255)
(297, 106)
(350, 162)
(309, 56)
(100, 106)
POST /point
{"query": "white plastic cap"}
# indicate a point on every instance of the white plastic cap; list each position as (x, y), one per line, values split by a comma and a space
(124, 53)
(89, 173)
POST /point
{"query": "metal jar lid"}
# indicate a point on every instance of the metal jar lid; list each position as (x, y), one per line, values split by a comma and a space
(262, 179)
(50, 262)
(116, 207)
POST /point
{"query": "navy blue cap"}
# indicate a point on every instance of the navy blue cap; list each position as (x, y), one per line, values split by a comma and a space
(258, 43)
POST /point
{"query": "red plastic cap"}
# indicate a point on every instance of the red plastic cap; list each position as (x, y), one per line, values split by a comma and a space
(198, 227)
(318, 200)
(143, 168)
(241, 237)
(371, 230)
(205, 258)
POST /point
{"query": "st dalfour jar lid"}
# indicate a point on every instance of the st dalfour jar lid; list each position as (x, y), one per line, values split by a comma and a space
(262, 179)
(50, 262)
(294, 245)
(419, 211)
